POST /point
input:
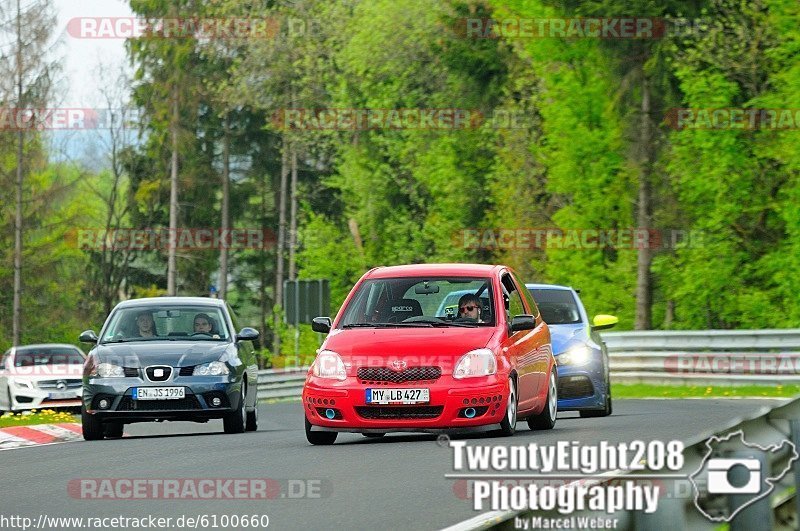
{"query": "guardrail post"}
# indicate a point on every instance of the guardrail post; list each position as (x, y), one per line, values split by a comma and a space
(794, 425)
(669, 515)
(759, 514)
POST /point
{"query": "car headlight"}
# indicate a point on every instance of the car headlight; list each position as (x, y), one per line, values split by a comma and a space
(107, 370)
(215, 368)
(329, 365)
(22, 384)
(480, 362)
(577, 355)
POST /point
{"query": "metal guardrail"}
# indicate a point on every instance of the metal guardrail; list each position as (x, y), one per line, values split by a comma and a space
(676, 507)
(281, 383)
(705, 357)
(766, 357)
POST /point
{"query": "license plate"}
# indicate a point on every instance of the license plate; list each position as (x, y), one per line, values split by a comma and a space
(398, 396)
(159, 393)
(61, 396)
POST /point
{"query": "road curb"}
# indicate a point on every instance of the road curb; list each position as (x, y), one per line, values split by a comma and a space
(39, 434)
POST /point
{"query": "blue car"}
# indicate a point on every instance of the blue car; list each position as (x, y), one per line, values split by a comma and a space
(581, 355)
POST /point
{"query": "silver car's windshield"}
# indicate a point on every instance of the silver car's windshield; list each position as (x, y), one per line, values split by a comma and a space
(158, 322)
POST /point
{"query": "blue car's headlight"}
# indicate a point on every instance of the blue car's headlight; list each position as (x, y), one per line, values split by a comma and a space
(577, 355)
(215, 368)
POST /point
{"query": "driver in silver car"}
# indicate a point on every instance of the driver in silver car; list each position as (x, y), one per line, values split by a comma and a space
(202, 324)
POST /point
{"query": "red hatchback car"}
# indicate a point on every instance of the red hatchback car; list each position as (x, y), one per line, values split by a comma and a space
(430, 348)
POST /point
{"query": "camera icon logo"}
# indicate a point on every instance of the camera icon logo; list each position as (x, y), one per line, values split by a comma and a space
(720, 472)
(735, 474)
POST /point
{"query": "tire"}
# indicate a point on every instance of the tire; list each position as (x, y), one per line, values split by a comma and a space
(8, 397)
(235, 421)
(91, 426)
(509, 424)
(547, 418)
(252, 419)
(320, 437)
(113, 430)
(373, 435)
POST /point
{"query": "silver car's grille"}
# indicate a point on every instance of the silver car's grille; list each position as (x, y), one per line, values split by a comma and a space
(158, 373)
(59, 385)
(129, 404)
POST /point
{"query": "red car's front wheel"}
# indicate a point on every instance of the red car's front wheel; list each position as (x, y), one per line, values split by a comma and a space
(547, 418)
(319, 437)
(509, 423)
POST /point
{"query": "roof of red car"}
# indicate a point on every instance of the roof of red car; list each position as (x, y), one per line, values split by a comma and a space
(412, 270)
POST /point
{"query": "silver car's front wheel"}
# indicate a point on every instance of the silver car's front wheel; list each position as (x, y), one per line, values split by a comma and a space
(234, 422)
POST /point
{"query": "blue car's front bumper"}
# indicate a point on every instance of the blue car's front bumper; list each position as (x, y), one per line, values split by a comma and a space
(582, 387)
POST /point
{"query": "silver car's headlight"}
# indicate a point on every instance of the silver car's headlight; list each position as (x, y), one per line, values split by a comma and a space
(577, 355)
(21, 384)
(479, 362)
(215, 368)
(108, 370)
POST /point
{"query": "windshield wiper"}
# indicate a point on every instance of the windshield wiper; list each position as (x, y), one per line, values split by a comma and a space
(132, 339)
(439, 323)
(385, 325)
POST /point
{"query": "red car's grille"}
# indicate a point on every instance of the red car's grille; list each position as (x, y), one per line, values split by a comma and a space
(399, 412)
(411, 374)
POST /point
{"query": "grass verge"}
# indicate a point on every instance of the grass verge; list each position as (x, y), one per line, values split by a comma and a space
(45, 416)
(702, 391)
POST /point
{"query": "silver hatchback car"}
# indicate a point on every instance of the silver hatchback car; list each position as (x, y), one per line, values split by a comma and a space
(169, 358)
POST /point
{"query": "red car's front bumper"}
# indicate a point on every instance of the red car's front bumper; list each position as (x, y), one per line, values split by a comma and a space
(448, 407)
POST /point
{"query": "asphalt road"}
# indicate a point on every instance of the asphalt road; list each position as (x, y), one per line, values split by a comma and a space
(392, 483)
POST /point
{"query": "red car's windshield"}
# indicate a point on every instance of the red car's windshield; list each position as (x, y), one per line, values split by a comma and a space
(421, 301)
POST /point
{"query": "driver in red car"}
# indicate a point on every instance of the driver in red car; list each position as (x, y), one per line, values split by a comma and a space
(469, 307)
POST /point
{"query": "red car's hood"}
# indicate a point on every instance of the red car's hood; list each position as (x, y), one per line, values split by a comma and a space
(373, 346)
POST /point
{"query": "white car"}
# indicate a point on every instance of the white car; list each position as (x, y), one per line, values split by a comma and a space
(41, 376)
